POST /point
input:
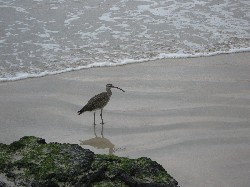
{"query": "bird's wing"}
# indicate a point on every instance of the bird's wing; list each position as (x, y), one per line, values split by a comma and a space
(97, 102)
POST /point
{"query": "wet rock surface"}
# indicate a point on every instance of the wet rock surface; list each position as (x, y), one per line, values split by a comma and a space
(33, 162)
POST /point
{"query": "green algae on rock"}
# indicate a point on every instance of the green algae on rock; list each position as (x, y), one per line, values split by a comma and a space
(33, 162)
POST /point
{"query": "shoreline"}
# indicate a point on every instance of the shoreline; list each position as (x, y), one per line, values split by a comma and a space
(159, 57)
(190, 115)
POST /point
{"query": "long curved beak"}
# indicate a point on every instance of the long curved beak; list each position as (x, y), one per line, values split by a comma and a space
(118, 88)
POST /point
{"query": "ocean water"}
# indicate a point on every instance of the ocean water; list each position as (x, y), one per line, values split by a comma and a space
(42, 37)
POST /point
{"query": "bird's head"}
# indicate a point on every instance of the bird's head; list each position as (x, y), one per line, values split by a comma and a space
(109, 86)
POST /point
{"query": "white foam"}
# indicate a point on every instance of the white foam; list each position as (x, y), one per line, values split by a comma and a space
(18, 9)
(70, 19)
(107, 17)
(22, 75)
(85, 34)
(2, 41)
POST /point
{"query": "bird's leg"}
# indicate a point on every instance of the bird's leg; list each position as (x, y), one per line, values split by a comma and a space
(94, 131)
(94, 125)
(102, 131)
(94, 119)
(101, 117)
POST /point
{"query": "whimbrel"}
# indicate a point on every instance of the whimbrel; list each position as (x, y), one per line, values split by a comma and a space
(98, 102)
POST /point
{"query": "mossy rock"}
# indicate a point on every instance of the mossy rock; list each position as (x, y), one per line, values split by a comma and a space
(32, 162)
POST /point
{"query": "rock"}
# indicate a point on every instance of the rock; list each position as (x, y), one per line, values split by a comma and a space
(32, 162)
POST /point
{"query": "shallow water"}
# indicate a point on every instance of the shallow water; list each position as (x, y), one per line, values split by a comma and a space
(43, 37)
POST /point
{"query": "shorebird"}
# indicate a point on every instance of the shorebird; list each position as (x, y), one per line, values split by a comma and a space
(98, 102)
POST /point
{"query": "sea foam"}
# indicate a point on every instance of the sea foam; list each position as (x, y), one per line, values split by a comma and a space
(54, 36)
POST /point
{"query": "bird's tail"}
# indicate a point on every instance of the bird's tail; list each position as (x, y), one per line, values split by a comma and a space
(81, 111)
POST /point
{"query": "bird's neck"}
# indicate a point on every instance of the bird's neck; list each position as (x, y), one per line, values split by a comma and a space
(109, 92)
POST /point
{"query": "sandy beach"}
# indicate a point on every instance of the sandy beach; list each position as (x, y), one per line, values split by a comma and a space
(190, 115)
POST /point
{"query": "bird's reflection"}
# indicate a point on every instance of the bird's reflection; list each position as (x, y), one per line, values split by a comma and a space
(99, 142)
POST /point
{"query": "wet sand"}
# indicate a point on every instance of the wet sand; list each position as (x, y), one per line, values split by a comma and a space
(190, 115)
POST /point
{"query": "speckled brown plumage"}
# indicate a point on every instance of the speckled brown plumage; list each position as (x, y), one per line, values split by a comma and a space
(98, 102)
